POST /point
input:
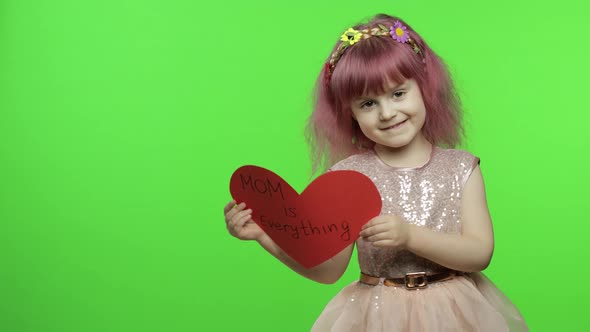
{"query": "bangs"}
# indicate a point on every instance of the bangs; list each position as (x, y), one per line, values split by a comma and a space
(369, 66)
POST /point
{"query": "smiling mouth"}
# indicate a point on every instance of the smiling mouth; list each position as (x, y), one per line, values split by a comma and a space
(395, 126)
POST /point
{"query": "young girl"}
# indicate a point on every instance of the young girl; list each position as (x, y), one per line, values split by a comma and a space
(386, 107)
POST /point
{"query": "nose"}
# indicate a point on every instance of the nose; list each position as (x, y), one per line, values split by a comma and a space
(387, 111)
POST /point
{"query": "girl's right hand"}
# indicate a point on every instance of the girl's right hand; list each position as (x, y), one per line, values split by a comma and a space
(239, 222)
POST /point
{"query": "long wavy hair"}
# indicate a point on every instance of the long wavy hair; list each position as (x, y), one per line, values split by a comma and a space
(365, 68)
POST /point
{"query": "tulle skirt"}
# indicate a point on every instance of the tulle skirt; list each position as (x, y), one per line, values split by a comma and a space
(465, 303)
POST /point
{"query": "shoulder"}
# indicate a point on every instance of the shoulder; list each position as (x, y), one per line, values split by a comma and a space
(354, 162)
(456, 154)
(460, 162)
(458, 157)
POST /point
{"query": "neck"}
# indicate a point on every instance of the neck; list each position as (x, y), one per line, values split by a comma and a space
(414, 154)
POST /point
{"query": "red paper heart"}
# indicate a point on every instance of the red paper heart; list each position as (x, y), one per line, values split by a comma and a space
(316, 225)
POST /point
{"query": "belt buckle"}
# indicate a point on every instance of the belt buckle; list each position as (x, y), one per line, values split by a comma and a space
(416, 280)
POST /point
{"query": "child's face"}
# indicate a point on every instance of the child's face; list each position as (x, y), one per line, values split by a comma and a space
(394, 118)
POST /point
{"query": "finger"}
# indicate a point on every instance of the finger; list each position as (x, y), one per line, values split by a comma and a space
(237, 225)
(229, 206)
(375, 221)
(368, 224)
(236, 209)
(367, 231)
(372, 230)
(238, 216)
(383, 243)
(377, 237)
(240, 222)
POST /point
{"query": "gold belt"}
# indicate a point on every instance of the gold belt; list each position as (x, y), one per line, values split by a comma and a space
(414, 280)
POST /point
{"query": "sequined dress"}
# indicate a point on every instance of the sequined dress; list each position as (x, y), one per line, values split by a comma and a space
(427, 196)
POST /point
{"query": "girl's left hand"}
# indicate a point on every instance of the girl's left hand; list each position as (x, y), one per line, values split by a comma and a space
(387, 231)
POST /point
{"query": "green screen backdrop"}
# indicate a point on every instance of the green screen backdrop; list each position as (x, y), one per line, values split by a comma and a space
(121, 123)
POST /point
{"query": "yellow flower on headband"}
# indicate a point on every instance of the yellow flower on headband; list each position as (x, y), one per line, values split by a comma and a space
(351, 36)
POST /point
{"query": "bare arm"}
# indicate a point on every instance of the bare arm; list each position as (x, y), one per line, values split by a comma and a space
(241, 225)
(469, 251)
(326, 273)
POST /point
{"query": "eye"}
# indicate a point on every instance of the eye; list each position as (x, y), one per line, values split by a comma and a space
(399, 94)
(367, 104)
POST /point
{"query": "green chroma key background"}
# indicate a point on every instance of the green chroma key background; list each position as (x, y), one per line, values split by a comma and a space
(121, 123)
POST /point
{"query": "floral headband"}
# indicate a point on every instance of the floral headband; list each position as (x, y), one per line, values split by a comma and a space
(398, 32)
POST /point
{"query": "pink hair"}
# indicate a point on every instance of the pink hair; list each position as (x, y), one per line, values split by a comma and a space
(365, 68)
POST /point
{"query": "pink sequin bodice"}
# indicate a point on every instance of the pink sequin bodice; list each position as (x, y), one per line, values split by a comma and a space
(426, 196)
